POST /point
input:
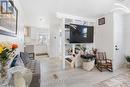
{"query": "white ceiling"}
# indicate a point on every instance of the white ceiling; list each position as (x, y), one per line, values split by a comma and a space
(83, 8)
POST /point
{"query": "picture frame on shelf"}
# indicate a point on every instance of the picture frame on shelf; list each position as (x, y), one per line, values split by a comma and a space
(8, 18)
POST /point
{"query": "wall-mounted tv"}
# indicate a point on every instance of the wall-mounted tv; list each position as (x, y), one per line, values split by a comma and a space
(81, 33)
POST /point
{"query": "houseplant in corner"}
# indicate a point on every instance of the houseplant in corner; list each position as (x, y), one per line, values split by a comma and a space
(6, 50)
(128, 61)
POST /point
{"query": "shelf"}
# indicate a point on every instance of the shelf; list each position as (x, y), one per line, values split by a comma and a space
(67, 27)
(67, 30)
(67, 44)
(68, 56)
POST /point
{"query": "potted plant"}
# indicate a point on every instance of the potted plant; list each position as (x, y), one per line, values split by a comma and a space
(6, 49)
(128, 61)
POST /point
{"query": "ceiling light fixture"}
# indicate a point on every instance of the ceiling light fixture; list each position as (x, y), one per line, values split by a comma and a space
(120, 7)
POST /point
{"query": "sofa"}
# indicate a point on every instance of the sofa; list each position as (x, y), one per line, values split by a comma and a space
(34, 66)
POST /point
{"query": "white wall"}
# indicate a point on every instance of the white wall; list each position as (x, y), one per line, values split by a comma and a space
(109, 35)
(127, 34)
(20, 36)
(48, 25)
(38, 22)
(104, 36)
(33, 39)
(54, 37)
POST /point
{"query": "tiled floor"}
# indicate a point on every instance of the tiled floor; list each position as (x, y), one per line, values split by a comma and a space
(71, 77)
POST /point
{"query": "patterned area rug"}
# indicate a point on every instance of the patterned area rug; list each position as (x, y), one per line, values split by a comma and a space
(122, 80)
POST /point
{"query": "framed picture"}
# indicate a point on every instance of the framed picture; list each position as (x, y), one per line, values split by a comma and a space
(8, 18)
(101, 21)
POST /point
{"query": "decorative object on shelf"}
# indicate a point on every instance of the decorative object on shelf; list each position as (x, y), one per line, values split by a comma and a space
(83, 48)
(94, 51)
(6, 50)
(68, 39)
(101, 21)
(8, 18)
(128, 61)
(69, 51)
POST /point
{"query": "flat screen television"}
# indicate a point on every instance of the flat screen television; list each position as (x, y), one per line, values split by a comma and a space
(81, 33)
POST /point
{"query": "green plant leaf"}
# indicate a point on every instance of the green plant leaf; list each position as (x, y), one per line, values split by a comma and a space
(128, 58)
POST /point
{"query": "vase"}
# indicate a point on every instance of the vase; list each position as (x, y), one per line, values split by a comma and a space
(3, 70)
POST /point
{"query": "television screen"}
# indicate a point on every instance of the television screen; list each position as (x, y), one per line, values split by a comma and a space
(81, 34)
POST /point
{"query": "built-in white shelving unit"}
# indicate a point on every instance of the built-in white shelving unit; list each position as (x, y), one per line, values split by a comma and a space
(69, 48)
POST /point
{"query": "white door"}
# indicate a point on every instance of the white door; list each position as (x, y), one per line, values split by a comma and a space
(118, 58)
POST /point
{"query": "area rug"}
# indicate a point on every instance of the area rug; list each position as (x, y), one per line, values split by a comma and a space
(121, 80)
